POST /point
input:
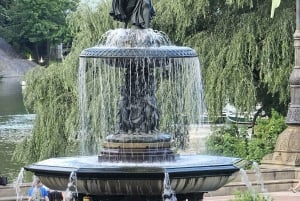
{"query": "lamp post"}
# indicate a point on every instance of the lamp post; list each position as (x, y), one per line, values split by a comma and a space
(287, 149)
(293, 116)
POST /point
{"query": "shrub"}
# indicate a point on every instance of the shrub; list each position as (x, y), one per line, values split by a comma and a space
(265, 136)
(228, 141)
(248, 196)
(231, 140)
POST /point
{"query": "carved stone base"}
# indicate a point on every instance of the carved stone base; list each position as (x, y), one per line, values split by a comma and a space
(138, 137)
(137, 147)
(287, 149)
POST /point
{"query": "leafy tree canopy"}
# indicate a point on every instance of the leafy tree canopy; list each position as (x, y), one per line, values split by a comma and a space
(38, 21)
(246, 56)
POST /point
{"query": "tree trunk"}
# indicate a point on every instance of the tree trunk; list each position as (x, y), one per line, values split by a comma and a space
(36, 50)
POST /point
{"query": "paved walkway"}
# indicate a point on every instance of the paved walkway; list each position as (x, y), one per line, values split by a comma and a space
(277, 196)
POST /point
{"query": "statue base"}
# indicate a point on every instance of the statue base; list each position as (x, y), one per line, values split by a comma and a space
(136, 147)
(287, 150)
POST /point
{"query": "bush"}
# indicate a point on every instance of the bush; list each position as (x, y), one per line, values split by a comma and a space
(230, 140)
(265, 136)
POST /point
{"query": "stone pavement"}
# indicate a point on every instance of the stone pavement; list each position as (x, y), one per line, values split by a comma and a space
(277, 196)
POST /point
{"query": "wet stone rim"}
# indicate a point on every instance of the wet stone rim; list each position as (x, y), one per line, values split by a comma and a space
(155, 52)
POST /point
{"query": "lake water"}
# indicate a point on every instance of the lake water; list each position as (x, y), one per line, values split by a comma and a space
(15, 124)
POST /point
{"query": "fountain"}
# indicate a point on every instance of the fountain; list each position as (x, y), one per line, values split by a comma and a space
(139, 69)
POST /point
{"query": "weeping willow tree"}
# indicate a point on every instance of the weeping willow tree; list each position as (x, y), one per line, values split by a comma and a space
(52, 92)
(246, 58)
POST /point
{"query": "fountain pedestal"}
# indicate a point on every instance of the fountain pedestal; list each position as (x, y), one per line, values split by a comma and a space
(138, 147)
(287, 150)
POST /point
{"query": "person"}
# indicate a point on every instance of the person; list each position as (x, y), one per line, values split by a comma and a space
(56, 195)
(37, 191)
(294, 189)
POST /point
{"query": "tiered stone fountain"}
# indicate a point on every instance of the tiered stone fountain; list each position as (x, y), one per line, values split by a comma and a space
(137, 160)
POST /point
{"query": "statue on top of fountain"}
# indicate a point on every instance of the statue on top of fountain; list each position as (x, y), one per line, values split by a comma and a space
(135, 12)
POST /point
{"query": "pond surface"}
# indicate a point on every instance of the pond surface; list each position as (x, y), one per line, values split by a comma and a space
(15, 124)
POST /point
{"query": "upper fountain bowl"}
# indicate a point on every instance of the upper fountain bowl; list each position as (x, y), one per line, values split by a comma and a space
(139, 52)
(120, 47)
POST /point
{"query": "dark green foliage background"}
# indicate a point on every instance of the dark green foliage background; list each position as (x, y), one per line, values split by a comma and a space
(32, 26)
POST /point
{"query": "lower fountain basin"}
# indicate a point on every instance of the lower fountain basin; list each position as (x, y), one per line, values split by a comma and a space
(188, 174)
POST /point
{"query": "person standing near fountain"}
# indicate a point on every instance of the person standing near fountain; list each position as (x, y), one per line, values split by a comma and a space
(37, 192)
(56, 195)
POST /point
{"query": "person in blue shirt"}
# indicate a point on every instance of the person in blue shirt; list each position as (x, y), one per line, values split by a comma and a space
(37, 192)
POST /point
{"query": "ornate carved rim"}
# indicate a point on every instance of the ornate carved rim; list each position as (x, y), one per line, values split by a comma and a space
(152, 52)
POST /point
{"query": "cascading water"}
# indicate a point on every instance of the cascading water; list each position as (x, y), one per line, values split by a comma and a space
(71, 191)
(17, 185)
(259, 180)
(171, 86)
(82, 107)
(138, 94)
(168, 194)
(248, 183)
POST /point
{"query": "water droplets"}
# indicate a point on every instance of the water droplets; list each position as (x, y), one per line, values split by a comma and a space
(126, 38)
(17, 185)
(168, 194)
(71, 191)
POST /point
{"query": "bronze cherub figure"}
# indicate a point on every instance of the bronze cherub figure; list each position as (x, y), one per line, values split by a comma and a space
(138, 13)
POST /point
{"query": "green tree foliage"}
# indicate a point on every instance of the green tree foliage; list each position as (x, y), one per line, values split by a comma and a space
(265, 136)
(228, 141)
(246, 58)
(39, 23)
(234, 141)
(4, 19)
(52, 93)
